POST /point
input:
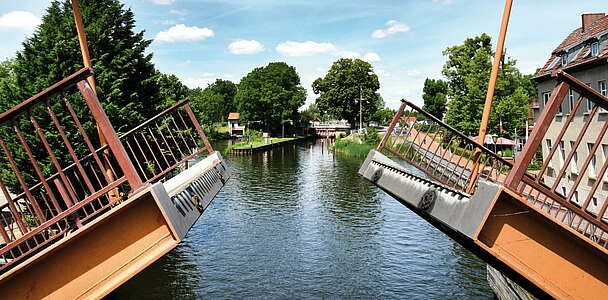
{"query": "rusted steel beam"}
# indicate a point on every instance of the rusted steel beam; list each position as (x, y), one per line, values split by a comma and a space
(84, 135)
(538, 133)
(583, 89)
(111, 138)
(51, 91)
(577, 143)
(391, 127)
(559, 137)
(198, 128)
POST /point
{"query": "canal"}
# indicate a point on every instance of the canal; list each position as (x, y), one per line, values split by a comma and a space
(299, 222)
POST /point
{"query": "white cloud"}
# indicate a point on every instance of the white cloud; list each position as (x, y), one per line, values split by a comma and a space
(163, 2)
(24, 20)
(349, 54)
(245, 47)
(371, 57)
(182, 12)
(182, 32)
(290, 48)
(392, 27)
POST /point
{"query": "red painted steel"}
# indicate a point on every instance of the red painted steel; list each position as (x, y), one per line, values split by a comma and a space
(448, 157)
(43, 206)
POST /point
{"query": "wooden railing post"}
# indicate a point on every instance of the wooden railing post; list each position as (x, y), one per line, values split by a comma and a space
(108, 132)
(536, 137)
(391, 127)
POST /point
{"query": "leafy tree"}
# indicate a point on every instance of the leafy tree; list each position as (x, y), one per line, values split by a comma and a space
(310, 113)
(435, 97)
(215, 102)
(384, 116)
(171, 90)
(270, 94)
(468, 70)
(344, 83)
(124, 74)
(128, 86)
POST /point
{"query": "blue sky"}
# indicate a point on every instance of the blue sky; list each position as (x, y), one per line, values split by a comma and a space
(202, 40)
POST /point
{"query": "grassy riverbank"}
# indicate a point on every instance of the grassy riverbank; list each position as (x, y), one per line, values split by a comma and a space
(351, 148)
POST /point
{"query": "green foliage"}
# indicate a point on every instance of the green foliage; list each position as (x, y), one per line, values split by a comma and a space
(384, 116)
(351, 148)
(468, 71)
(128, 85)
(215, 102)
(371, 136)
(213, 133)
(310, 113)
(125, 76)
(171, 90)
(270, 94)
(435, 97)
(344, 83)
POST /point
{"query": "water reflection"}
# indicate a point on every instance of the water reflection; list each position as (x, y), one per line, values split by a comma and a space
(298, 222)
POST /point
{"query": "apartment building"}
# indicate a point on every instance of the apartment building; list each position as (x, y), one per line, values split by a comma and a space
(584, 55)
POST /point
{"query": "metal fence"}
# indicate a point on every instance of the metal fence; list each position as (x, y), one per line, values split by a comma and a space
(56, 178)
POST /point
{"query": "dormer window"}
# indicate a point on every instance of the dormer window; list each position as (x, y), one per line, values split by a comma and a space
(564, 59)
(595, 49)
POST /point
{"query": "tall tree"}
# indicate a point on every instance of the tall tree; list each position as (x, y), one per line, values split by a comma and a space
(128, 85)
(435, 97)
(170, 89)
(468, 71)
(213, 103)
(345, 82)
(271, 94)
(384, 116)
(124, 73)
(310, 113)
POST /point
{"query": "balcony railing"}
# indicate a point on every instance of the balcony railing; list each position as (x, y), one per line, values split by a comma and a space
(55, 180)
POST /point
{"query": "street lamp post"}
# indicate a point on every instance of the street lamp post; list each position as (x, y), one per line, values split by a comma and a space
(360, 109)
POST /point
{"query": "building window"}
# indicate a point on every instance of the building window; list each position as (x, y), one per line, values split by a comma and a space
(602, 86)
(593, 161)
(571, 100)
(590, 105)
(562, 151)
(605, 152)
(548, 146)
(564, 59)
(574, 163)
(546, 97)
(595, 49)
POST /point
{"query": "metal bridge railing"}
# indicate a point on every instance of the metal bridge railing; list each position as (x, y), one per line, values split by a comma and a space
(450, 157)
(56, 178)
(440, 151)
(571, 134)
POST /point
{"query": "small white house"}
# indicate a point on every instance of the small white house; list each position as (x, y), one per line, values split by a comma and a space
(233, 124)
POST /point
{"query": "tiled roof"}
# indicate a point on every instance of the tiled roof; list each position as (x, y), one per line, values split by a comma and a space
(574, 39)
(234, 116)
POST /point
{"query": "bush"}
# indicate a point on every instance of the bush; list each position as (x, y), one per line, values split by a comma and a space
(371, 137)
(350, 148)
